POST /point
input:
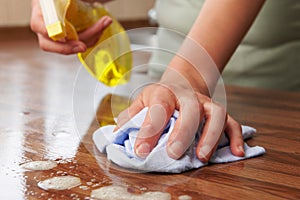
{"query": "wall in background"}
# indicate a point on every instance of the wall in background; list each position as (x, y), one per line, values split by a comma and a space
(14, 12)
(130, 9)
(17, 12)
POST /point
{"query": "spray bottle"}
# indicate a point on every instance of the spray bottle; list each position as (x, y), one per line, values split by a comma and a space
(110, 59)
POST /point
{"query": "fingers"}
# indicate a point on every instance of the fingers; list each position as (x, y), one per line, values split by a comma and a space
(128, 113)
(87, 38)
(234, 132)
(215, 119)
(185, 127)
(193, 109)
(160, 110)
(37, 22)
(91, 35)
(68, 47)
(47, 44)
(155, 121)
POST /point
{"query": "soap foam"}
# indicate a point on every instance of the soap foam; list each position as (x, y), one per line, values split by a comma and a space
(39, 165)
(184, 197)
(121, 193)
(60, 183)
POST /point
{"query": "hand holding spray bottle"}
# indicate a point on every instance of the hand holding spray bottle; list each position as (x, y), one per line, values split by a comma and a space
(110, 59)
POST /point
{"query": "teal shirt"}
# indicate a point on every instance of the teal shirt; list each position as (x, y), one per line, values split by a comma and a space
(269, 55)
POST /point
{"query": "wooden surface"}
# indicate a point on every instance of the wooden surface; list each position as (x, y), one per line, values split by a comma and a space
(37, 122)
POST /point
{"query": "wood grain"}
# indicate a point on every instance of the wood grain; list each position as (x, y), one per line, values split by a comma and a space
(37, 123)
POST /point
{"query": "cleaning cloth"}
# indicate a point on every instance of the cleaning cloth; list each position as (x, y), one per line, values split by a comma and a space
(119, 147)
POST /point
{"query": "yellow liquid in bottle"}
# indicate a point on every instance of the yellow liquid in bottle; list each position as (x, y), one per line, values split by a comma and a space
(110, 59)
(110, 107)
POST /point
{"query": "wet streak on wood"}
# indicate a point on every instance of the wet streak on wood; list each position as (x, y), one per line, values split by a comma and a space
(44, 93)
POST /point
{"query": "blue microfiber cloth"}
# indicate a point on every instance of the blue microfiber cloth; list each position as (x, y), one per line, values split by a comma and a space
(119, 148)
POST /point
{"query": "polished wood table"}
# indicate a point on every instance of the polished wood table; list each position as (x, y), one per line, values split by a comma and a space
(37, 123)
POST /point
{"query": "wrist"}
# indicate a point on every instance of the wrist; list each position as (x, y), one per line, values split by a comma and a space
(180, 72)
(199, 71)
(195, 64)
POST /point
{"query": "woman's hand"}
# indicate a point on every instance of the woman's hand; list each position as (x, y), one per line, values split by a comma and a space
(179, 93)
(87, 37)
(189, 80)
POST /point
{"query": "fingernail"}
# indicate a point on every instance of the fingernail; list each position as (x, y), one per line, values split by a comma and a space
(116, 128)
(143, 150)
(107, 22)
(204, 151)
(175, 150)
(77, 49)
(241, 148)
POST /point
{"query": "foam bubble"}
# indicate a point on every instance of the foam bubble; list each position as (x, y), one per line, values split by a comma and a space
(121, 193)
(39, 165)
(60, 183)
(184, 197)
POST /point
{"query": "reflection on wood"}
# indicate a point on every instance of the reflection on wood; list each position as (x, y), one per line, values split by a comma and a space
(36, 123)
(110, 107)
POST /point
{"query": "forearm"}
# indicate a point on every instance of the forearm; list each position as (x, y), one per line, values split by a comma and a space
(219, 28)
(221, 25)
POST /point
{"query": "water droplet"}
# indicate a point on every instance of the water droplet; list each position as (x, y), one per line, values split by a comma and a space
(89, 183)
(96, 185)
(72, 195)
(61, 133)
(143, 188)
(84, 187)
(44, 194)
(93, 180)
(24, 113)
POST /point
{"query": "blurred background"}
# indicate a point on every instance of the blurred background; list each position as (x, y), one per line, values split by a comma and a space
(132, 13)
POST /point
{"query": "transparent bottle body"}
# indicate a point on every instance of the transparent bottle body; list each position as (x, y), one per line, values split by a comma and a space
(110, 59)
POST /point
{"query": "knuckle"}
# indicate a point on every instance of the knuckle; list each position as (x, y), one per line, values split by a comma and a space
(235, 124)
(43, 46)
(151, 129)
(191, 102)
(64, 50)
(202, 97)
(163, 97)
(150, 132)
(219, 108)
(37, 28)
(184, 129)
(166, 105)
(33, 26)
